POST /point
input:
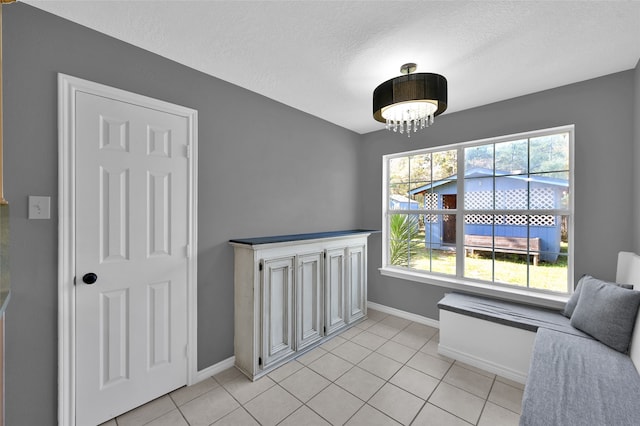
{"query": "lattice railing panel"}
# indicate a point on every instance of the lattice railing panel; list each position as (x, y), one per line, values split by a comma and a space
(510, 219)
(511, 199)
(542, 198)
(478, 200)
(431, 203)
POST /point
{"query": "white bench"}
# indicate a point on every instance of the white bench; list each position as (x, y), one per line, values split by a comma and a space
(494, 335)
(498, 336)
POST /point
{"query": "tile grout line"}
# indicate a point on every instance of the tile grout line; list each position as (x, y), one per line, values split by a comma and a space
(179, 410)
(351, 368)
(441, 380)
(487, 399)
(330, 381)
(388, 381)
(404, 364)
(334, 381)
(304, 404)
(240, 403)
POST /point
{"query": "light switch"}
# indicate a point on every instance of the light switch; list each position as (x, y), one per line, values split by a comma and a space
(39, 207)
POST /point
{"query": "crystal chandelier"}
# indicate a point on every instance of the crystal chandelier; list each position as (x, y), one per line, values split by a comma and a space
(411, 101)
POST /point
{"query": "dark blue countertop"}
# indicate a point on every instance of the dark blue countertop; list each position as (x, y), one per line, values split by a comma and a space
(299, 237)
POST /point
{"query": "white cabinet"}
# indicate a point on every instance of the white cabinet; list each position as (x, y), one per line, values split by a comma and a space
(293, 292)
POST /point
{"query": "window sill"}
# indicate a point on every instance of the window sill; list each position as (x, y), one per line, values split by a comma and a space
(546, 300)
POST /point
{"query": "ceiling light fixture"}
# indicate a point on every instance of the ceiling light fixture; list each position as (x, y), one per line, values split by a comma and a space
(411, 101)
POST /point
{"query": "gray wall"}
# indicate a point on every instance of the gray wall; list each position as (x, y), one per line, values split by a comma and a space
(264, 168)
(602, 111)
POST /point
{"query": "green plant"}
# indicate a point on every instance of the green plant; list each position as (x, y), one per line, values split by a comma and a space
(403, 244)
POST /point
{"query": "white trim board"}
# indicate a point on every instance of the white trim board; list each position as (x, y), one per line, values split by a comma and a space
(68, 86)
(483, 364)
(403, 314)
(214, 369)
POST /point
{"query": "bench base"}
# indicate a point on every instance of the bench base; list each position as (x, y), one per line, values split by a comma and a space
(493, 347)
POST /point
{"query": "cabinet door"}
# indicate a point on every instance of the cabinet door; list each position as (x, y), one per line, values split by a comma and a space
(308, 300)
(356, 283)
(277, 309)
(335, 291)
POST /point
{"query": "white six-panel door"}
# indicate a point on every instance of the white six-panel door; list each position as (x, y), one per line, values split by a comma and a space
(131, 210)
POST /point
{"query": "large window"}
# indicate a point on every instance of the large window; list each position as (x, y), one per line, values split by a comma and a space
(496, 212)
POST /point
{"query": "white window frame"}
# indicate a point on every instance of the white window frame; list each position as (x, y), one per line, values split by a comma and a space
(458, 282)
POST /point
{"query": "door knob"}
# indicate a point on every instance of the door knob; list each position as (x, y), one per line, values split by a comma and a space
(89, 278)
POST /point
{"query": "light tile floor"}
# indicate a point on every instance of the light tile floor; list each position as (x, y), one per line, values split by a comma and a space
(383, 371)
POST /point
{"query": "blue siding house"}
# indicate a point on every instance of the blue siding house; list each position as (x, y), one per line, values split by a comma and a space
(512, 192)
(402, 203)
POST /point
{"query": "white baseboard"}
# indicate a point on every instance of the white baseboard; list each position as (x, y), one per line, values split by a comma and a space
(482, 364)
(214, 369)
(403, 314)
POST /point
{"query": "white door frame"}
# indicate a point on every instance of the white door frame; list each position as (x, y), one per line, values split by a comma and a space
(68, 86)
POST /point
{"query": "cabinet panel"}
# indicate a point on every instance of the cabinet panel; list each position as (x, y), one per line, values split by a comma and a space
(356, 283)
(277, 309)
(309, 300)
(335, 291)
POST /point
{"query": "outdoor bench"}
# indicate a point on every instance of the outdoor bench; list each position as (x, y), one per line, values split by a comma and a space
(571, 377)
(518, 245)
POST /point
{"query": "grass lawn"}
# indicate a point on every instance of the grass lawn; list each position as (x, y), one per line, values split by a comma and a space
(508, 268)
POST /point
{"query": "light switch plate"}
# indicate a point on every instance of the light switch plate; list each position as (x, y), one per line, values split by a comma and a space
(39, 207)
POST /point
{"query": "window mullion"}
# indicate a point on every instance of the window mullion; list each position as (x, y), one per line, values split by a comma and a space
(529, 214)
(460, 252)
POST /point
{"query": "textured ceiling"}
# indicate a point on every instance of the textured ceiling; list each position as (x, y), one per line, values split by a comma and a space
(326, 57)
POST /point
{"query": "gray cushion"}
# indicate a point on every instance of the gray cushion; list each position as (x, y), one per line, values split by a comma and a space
(607, 313)
(525, 317)
(577, 381)
(573, 300)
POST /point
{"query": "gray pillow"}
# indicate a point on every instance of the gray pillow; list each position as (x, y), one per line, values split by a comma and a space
(607, 313)
(573, 300)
